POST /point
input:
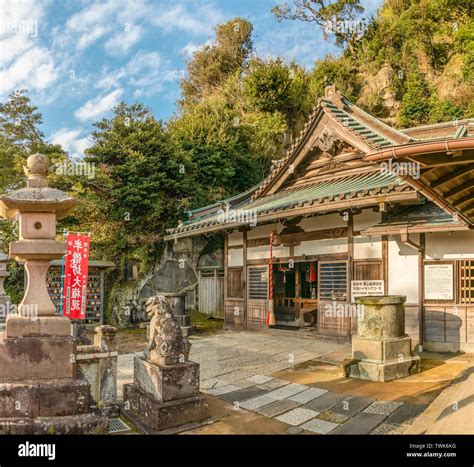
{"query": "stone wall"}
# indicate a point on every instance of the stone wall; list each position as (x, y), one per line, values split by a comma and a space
(177, 272)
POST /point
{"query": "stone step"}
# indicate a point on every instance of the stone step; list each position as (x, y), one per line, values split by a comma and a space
(90, 423)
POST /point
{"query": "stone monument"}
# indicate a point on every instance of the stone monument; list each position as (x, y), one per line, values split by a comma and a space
(178, 305)
(165, 392)
(381, 351)
(41, 390)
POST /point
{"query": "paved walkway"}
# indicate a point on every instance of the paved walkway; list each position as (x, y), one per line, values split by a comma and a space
(230, 357)
(258, 377)
(452, 412)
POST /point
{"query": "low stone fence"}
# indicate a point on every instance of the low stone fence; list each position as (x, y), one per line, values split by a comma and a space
(98, 363)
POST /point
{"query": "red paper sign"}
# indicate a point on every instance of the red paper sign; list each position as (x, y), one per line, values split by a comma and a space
(75, 276)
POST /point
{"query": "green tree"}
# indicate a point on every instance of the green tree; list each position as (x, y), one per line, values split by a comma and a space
(213, 136)
(213, 64)
(273, 86)
(141, 186)
(336, 17)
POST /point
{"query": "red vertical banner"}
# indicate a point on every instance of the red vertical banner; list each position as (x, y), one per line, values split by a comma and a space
(75, 276)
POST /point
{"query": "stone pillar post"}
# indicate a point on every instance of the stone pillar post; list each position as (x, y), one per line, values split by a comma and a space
(381, 351)
(106, 338)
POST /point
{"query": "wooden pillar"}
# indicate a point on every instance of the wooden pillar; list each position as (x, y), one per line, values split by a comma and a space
(421, 289)
(226, 273)
(226, 263)
(244, 277)
(350, 254)
(385, 263)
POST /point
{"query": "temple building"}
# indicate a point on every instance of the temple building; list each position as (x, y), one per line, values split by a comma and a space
(355, 207)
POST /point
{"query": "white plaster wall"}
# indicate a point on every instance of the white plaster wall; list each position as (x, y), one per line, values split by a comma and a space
(236, 238)
(441, 245)
(236, 257)
(263, 252)
(367, 218)
(403, 268)
(261, 231)
(322, 247)
(330, 221)
(368, 248)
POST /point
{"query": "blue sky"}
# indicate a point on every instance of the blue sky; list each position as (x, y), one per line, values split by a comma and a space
(78, 59)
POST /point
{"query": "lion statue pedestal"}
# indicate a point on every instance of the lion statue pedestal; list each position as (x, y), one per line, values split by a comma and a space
(165, 392)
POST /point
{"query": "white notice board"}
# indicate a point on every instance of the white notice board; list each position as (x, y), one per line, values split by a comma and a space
(439, 282)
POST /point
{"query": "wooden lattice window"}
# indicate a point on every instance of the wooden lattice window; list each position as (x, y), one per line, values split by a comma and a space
(258, 282)
(466, 281)
(333, 280)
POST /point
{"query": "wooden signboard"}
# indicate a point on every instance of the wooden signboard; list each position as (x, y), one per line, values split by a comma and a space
(363, 288)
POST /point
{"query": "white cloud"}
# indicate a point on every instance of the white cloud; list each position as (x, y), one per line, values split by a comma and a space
(201, 20)
(98, 106)
(34, 70)
(24, 63)
(114, 23)
(145, 75)
(71, 141)
(123, 41)
(188, 50)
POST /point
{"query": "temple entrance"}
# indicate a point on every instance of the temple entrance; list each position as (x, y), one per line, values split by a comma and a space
(295, 293)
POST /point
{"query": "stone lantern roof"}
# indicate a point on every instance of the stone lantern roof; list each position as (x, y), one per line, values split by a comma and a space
(38, 196)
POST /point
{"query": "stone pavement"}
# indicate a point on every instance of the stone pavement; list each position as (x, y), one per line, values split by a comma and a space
(316, 410)
(282, 382)
(230, 357)
(452, 412)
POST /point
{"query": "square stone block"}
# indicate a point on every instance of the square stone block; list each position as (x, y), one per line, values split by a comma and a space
(19, 400)
(396, 348)
(297, 416)
(319, 426)
(361, 424)
(64, 397)
(277, 408)
(44, 398)
(152, 416)
(385, 371)
(18, 326)
(167, 383)
(37, 358)
(365, 349)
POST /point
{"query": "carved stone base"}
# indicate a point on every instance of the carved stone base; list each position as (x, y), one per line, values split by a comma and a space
(382, 360)
(385, 371)
(49, 407)
(166, 383)
(152, 416)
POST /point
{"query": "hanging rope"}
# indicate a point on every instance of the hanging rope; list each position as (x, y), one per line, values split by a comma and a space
(270, 321)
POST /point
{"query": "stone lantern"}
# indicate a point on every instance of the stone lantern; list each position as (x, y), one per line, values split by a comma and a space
(41, 389)
(37, 208)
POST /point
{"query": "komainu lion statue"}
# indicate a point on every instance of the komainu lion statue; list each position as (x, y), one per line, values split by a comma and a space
(167, 345)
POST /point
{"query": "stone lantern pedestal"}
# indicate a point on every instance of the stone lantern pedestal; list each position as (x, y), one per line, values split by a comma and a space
(381, 351)
(41, 391)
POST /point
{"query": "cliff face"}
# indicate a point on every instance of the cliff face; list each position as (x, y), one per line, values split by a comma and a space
(415, 63)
